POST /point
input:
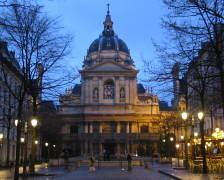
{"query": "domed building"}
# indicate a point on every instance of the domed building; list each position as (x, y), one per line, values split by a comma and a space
(109, 112)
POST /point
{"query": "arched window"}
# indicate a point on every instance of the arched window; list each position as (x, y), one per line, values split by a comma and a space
(95, 94)
(122, 94)
(108, 90)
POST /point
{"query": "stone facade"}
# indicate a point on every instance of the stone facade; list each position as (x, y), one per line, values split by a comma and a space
(108, 112)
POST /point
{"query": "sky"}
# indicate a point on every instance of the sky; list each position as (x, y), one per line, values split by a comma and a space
(137, 22)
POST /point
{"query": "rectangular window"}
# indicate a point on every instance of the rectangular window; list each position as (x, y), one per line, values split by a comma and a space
(74, 130)
(123, 127)
(96, 127)
(144, 129)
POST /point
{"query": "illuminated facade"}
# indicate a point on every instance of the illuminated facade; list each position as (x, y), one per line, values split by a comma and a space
(109, 112)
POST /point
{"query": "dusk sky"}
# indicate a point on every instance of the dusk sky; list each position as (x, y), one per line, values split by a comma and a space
(136, 22)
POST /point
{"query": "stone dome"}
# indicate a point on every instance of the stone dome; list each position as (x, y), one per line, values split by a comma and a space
(108, 43)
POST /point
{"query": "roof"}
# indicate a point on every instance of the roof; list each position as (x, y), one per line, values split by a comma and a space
(140, 89)
(77, 90)
(163, 106)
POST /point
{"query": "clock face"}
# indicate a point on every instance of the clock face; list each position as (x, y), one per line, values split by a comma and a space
(108, 92)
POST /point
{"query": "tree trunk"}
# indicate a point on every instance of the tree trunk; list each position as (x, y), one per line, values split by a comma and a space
(25, 152)
(222, 88)
(19, 116)
(8, 144)
(203, 150)
(33, 148)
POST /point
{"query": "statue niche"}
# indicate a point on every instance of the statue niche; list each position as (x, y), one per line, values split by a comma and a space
(108, 90)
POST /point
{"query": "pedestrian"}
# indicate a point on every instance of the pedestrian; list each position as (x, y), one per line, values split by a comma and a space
(104, 155)
(92, 164)
(129, 159)
(11, 166)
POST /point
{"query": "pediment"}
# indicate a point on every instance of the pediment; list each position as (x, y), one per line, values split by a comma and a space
(110, 66)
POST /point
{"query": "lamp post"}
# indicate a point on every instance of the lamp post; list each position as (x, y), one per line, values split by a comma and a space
(34, 123)
(178, 146)
(22, 140)
(47, 152)
(171, 146)
(184, 117)
(16, 122)
(1, 141)
(203, 151)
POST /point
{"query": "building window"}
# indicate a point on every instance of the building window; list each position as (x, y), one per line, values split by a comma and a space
(96, 127)
(108, 90)
(123, 127)
(96, 94)
(74, 130)
(122, 95)
(109, 127)
(144, 129)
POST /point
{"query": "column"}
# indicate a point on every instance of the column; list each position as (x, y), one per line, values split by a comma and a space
(86, 147)
(128, 147)
(86, 127)
(118, 150)
(100, 90)
(127, 91)
(91, 148)
(117, 90)
(91, 128)
(100, 128)
(86, 90)
(127, 127)
(82, 148)
(101, 149)
(118, 128)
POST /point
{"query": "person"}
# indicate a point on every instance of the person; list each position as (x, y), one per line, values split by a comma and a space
(104, 155)
(11, 166)
(129, 159)
(92, 166)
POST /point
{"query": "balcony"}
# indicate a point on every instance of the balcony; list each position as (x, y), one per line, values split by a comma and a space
(112, 136)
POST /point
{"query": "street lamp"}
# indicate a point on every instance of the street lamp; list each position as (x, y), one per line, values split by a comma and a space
(200, 115)
(34, 123)
(22, 139)
(47, 152)
(36, 142)
(203, 150)
(185, 117)
(16, 122)
(178, 146)
(171, 139)
(182, 137)
(1, 136)
(195, 134)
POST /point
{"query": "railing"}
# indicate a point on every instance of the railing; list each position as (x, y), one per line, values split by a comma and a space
(117, 136)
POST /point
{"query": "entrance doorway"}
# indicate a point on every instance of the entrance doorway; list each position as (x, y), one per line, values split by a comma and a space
(109, 151)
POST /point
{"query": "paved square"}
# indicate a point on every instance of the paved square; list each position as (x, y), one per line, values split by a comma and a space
(113, 173)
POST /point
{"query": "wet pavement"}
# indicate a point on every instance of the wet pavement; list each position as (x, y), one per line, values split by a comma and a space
(102, 173)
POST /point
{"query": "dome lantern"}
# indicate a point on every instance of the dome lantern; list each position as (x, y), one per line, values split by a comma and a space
(108, 23)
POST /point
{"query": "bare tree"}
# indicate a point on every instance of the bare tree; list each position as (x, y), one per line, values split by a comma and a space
(195, 29)
(38, 42)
